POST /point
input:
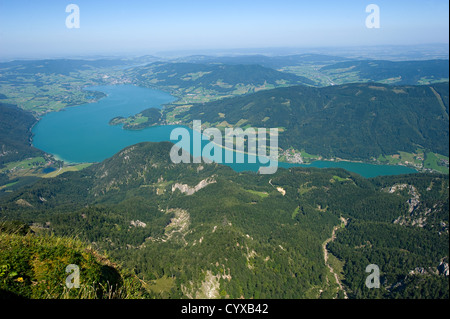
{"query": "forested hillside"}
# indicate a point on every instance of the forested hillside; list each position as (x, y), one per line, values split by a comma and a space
(15, 134)
(354, 121)
(399, 73)
(205, 82)
(205, 231)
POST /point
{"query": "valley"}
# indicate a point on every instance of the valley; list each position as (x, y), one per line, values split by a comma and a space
(363, 170)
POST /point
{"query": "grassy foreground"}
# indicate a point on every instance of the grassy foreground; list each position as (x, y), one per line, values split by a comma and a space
(34, 267)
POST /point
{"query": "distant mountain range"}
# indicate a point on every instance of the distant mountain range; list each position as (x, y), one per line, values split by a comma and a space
(190, 78)
(244, 70)
(57, 66)
(266, 61)
(402, 72)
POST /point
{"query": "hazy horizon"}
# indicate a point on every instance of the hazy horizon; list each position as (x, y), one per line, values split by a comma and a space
(38, 29)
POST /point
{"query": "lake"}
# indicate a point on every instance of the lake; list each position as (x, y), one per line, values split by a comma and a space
(82, 133)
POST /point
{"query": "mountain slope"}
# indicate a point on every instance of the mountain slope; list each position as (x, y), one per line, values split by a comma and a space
(34, 266)
(354, 121)
(211, 80)
(15, 134)
(205, 231)
(399, 73)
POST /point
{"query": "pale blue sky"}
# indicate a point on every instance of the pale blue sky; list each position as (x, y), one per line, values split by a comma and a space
(32, 28)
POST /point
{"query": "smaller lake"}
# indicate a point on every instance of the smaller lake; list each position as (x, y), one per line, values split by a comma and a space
(82, 133)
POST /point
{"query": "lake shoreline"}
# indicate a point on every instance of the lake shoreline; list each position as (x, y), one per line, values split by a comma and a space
(82, 134)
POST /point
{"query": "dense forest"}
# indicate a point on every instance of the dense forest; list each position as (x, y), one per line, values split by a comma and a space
(244, 234)
(15, 134)
(354, 121)
(214, 79)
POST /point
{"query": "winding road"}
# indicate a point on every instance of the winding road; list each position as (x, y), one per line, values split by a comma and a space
(325, 256)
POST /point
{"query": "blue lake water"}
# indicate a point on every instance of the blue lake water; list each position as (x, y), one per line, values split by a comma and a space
(82, 133)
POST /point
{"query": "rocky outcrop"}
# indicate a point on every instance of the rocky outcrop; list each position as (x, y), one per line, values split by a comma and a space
(23, 202)
(414, 218)
(207, 289)
(138, 223)
(186, 189)
(420, 213)
(443, 269)
(413, 202)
